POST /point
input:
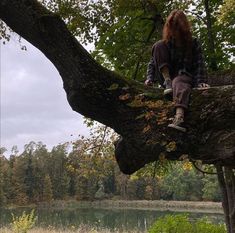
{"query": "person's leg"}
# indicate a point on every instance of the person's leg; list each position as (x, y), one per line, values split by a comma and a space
(182, 86)
(179, 111)
(167, 80)
(161, 58)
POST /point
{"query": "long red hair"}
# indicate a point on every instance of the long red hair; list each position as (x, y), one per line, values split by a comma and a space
(178, 28)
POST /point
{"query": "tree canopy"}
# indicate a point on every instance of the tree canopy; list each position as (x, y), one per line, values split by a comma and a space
(124, 31)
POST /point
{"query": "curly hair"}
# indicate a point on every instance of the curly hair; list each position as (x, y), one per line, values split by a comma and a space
(177, 27)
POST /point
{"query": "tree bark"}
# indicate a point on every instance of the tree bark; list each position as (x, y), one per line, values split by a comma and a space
(230, 183)
(211, 39)
(138, 113)
(226, 180)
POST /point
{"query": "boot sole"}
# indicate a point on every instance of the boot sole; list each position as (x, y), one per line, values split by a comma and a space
(177, 127)
(168, 91)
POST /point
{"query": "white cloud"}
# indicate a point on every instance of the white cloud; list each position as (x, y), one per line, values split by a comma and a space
(33, 102)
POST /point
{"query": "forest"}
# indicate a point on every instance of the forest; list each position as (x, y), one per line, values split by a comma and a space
(77, 170)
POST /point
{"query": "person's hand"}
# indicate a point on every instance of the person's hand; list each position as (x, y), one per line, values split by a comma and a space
(148, 82)
(203, 86)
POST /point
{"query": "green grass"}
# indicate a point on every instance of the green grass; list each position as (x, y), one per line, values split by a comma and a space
(81, 229)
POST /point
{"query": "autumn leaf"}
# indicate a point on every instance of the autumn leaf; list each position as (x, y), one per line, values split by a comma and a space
(146, 129)
(113, 87)
(125, 97)
(183, 157)
(171, 146)
(187, 166)
(163, 143)
(149, 115)
(136, 103)
(140, 116)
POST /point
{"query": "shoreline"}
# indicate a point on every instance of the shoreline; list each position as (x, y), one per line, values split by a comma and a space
(160, 205)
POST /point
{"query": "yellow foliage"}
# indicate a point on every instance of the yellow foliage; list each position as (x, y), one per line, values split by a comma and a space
(154, 104)
(134, 177)
(70, 168)
(139, 102)
(23, 223)
(187, 166)
(226, 12)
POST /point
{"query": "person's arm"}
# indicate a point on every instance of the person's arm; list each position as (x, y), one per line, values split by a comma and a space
(150, 72)
(200, 75)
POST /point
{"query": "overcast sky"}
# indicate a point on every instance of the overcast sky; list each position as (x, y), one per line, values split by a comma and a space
(33, 102)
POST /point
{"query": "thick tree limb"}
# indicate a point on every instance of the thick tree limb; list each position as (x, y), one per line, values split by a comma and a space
(139, 114)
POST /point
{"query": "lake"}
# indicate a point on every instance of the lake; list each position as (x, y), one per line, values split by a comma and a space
(112, 219)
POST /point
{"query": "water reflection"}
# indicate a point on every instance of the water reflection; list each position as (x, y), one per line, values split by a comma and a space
(121, 219)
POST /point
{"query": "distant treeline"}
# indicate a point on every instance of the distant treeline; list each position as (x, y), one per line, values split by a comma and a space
(86, 170)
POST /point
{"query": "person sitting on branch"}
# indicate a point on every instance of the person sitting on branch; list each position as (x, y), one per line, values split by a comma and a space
(178, 65)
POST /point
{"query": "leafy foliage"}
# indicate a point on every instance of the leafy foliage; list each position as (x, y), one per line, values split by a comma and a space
(182, 183)
(182, 224)
(47, 189)
(80, 168)
(23, 223)
(123, 32)
(210, 188)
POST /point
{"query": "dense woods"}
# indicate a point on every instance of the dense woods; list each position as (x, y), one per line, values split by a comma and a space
(86, 170)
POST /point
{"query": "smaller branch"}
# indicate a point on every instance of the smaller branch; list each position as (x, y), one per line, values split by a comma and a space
(141, 52)
(197, 15)
(99, 145)
(204, 172)
(155, 169)
(148, 18)
(102, 140)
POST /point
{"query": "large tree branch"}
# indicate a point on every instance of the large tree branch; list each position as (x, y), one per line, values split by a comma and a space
(139, 114)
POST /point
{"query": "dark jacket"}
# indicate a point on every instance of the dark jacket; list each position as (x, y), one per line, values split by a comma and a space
(177, 63)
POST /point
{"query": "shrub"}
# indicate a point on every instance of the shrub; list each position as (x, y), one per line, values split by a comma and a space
(181, 224)
(24, 222)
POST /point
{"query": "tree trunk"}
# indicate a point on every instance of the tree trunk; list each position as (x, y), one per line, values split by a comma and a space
(138, 113)
(211, 38)
(226, 179)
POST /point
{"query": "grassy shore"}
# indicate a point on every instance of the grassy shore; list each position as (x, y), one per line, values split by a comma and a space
(82, 229)
(178, 206)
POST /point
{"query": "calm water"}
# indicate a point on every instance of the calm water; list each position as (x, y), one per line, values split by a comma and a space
(121, 219)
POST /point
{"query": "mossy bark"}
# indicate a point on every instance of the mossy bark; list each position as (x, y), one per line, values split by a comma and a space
(139, 114)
